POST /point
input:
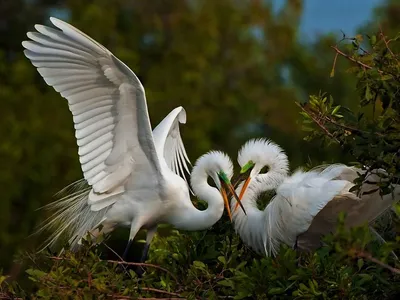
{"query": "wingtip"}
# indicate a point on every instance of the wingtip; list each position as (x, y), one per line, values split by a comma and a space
(182, 115)
(38, 27)
(57, 22)
(29, 34)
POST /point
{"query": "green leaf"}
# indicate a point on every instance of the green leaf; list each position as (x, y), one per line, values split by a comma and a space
(303, 287)
(227, 282)
(373, 40)
(241, 265)
(242, 295)
(276, 291)
(360, 263)
(335, 110)
(36, 273)
(332, 74)
(368, 94)
(199, 265)
(222, 259)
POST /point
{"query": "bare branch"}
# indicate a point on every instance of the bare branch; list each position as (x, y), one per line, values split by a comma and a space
(130, 264)
(350, 128)
(318, 122)
(369, 257)
(382, 35)
(338, 51)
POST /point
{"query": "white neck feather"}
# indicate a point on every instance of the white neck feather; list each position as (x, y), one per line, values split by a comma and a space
(262, 152)
(210, 164)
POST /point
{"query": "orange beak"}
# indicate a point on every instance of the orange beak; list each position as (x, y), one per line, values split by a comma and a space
(245, 185)
(223, 193)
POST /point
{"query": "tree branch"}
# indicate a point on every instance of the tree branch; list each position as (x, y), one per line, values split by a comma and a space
(387, 43)
(369, 257)
(353, 59)
(128, 263)
(349, 128)
(320, 125)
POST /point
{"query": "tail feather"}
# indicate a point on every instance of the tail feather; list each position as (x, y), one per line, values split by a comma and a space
(71, 216)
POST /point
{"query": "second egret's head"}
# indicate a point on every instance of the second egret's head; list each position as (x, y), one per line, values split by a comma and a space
(219, 167)
(260, 156)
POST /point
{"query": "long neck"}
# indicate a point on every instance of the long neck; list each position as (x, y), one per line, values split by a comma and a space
(191, 218)
(251, 228)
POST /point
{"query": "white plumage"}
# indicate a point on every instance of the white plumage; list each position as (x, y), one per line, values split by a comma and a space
(131, 172)
(306, 205)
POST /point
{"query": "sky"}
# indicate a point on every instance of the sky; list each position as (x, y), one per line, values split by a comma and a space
(322, 16)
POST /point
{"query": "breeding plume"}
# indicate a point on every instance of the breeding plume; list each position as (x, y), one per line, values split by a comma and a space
(132, 172)
(306, 205)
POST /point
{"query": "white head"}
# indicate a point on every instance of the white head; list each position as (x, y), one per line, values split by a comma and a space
(219, 167)
(215, 164)
(259, 154)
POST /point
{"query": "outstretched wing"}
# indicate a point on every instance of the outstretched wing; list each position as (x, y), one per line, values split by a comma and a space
(108, 105)
(169, 144)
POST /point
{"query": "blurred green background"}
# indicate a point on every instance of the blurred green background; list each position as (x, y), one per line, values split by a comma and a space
(236, 66)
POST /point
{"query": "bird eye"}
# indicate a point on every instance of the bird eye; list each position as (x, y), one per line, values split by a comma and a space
(264, 170)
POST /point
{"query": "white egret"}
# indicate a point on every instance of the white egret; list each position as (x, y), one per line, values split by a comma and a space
(132, 172)
(306, 204)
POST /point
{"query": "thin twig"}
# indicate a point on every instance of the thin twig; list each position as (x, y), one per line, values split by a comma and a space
(112, 250)
(160, 298)
(386, 43)
(334, 65)
(128, 263)
(5, 296)
(369, 257)
(349, 128)
(316, 121)
(148, 289)
(353, 59)
(143, 265)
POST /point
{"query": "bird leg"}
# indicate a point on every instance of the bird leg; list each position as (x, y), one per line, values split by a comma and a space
(150, 234)
(125, 255)
(135, 227)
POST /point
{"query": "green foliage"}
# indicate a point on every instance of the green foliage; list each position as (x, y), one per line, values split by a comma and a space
(203, 265)
(205, 56)
(371, 132)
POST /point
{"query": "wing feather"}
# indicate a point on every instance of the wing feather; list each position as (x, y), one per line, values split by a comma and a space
(169, 142)
(298, 200)
(107, 102)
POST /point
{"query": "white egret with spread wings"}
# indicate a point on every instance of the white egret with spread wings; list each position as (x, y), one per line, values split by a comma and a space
(132, 172)
(306, 205)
